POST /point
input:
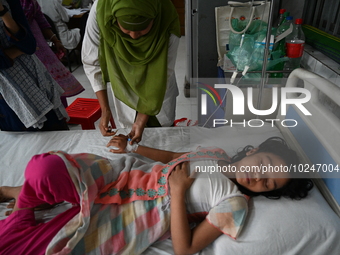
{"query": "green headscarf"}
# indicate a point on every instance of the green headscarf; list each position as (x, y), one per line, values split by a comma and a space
(133, 22)
(137, 68)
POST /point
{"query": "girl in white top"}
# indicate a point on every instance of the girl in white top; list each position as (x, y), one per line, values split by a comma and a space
(209, 191)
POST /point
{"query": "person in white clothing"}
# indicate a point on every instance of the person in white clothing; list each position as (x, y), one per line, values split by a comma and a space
(133, 47)
(54, 9)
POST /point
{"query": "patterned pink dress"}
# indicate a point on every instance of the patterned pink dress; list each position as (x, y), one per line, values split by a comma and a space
(59, 72)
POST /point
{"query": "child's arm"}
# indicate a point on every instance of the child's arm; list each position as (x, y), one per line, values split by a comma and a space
(120, 142)
(185, 240)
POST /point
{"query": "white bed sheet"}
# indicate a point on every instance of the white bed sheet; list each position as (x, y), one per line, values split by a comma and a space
(273, 227)
(16, 149)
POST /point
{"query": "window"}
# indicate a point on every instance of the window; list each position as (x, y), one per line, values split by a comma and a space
(324, 15)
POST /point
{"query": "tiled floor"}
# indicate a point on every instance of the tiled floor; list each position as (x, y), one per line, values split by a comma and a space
(185, 105)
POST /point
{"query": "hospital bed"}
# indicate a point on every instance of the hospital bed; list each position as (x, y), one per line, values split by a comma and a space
(284, 226)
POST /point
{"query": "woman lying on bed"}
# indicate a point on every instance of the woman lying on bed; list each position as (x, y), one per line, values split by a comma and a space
(125, 205)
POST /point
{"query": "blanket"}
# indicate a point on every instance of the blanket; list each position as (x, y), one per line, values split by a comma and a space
(123, 227)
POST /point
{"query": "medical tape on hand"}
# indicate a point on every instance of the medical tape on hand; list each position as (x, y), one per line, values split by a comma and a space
(131, 148)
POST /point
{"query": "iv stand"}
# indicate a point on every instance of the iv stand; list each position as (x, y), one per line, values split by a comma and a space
(265, 58)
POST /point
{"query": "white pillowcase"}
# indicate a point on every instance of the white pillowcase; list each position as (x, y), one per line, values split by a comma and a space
(285, 226)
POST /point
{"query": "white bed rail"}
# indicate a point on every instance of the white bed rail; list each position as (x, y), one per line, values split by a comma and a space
(323, 123)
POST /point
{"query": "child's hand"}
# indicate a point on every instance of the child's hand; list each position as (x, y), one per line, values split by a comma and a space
(179, 179)
(119, 142)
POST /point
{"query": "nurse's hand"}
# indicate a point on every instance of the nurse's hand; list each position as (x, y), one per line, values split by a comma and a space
(138, 128)
(104, 126)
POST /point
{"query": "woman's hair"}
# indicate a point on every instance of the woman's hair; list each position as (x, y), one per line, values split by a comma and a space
(297, 188)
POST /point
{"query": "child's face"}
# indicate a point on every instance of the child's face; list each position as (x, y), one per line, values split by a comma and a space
(261, 172)
(136, 34)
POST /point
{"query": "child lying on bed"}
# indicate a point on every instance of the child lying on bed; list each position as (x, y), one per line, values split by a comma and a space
(125, 205)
